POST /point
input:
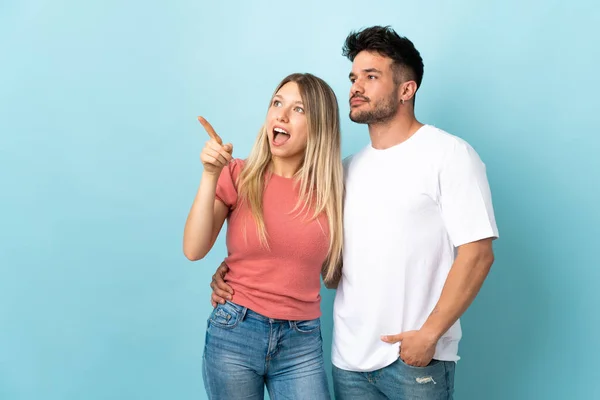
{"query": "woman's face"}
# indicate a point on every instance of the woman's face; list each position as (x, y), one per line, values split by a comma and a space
(287, 126)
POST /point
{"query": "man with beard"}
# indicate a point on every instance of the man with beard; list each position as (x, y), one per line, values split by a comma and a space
(418, 231)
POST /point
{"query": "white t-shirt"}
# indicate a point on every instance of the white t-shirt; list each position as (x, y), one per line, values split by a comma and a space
(406, 209)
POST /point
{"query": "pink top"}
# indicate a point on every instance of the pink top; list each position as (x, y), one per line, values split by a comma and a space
(282, 282)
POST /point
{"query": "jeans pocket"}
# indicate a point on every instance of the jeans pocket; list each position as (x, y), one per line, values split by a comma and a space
(308, 326)
(227, 315)
(432, 363)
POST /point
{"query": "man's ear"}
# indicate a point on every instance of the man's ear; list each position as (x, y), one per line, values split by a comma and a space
(407, 91)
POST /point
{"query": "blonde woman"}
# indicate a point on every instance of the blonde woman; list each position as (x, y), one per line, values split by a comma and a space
(284, 210)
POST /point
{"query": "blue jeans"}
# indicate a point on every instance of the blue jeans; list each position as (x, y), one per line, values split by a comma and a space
(245, 351)
(397, 381)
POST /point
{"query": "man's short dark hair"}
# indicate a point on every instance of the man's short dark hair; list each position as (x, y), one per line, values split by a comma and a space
(385, 41)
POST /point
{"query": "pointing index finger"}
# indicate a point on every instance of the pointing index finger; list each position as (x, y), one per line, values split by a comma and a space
(209, 129)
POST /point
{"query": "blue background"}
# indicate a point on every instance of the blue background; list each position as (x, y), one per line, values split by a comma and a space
(99, 163)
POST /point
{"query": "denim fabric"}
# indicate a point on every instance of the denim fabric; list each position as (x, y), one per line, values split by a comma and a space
(245, 351)
(398, 381)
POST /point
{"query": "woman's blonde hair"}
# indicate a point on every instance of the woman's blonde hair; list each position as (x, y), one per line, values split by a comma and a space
(320, 176)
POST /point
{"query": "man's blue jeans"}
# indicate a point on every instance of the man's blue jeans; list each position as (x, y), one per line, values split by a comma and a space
(397, 381)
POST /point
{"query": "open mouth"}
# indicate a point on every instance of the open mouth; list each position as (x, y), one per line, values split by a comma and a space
(280, 136)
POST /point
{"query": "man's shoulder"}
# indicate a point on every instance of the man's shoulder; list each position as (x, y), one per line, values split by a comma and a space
(352, 158)
(346, 161)
(441, 144)
(441, 138)
(452, 151)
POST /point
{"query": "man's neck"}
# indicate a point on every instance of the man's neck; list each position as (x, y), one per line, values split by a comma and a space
(395, 131)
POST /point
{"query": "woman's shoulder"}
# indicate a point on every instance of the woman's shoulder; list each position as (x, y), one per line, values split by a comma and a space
(235, 167)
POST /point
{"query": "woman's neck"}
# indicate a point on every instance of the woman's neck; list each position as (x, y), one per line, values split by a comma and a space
(285, 167)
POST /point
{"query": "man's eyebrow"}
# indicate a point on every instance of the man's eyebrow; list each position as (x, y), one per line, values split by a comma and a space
(367, 70)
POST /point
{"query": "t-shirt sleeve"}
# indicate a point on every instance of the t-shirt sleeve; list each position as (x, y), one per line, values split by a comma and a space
(465, 197)
(227, 184)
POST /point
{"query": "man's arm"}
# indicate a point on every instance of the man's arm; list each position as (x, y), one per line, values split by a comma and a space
(221, 291)
(470, 268)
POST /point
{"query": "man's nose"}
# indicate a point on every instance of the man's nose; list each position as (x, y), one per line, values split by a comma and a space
(357, 88)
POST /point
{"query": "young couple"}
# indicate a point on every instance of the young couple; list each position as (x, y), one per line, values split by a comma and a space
(410, 215)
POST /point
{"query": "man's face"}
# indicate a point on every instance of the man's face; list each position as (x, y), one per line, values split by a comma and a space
(374, 95)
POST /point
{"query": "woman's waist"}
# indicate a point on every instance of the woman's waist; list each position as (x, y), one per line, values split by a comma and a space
(274, 275)
(278, 304)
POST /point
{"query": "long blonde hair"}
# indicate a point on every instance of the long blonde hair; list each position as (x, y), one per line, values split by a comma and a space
(320, 176)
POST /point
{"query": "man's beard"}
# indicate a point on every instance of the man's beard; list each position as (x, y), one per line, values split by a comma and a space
(382, 112)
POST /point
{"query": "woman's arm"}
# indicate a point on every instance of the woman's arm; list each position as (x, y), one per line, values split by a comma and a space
(208, 213)
(204, 221)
